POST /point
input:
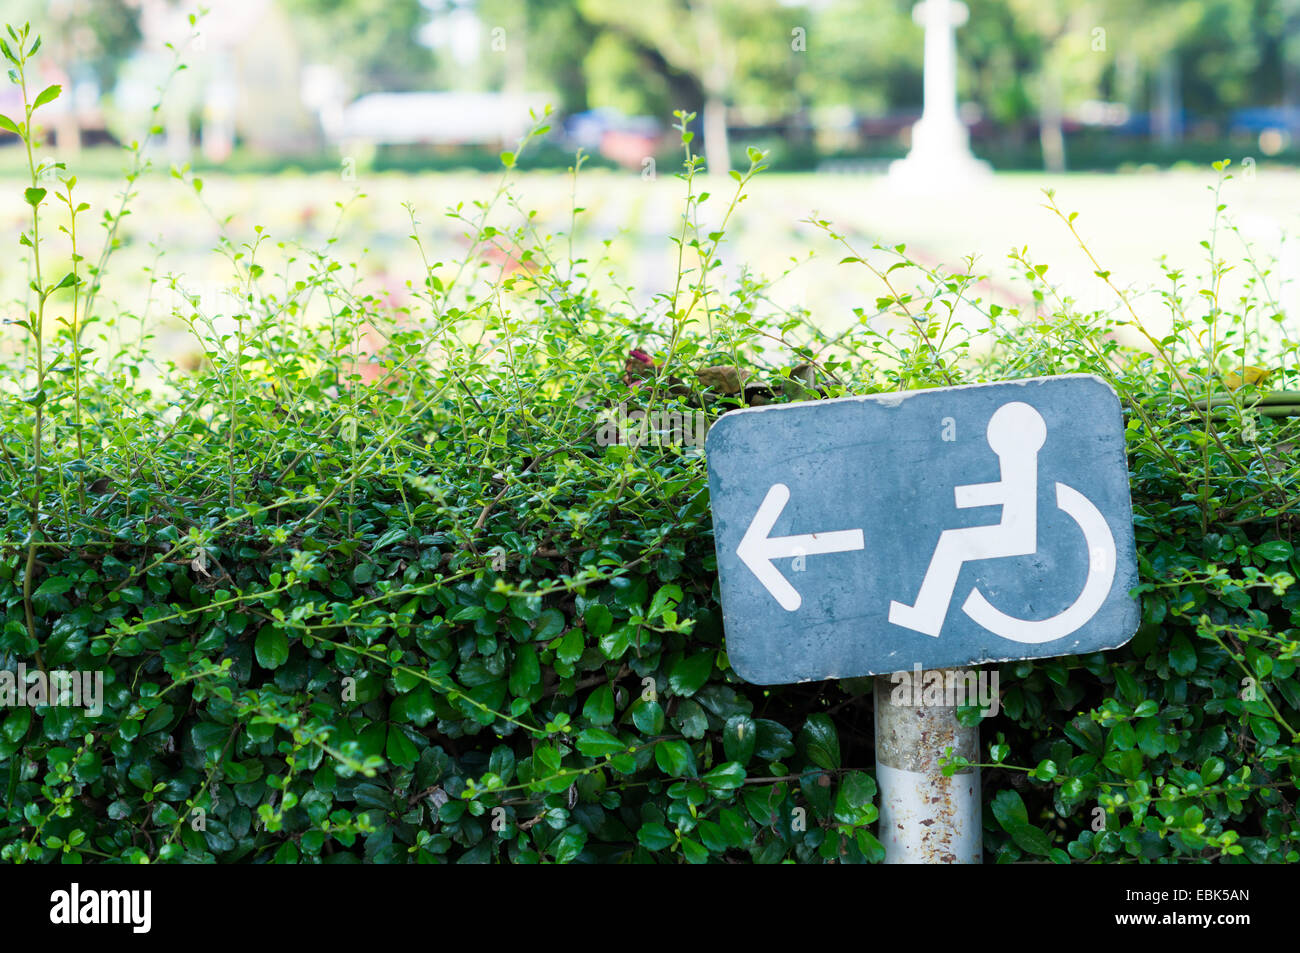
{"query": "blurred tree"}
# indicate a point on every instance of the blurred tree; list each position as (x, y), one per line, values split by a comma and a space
(376, 43)
(92, 36)
(1047, 56)
(559, 41)
(1002, 57)
(95, 34)
(1151, 34)
(1205, 55)
(621, 74)
(86, 40)
(1069, 62)
(625, 72)
(865, 54)
(771, 50)
(700, 43)
(1227, 53)
(1028, 63)
(1284, 18)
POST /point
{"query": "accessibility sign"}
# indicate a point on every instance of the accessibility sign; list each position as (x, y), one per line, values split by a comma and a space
(864, 535)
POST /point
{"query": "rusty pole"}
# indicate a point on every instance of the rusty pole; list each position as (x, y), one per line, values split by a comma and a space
(925, 818)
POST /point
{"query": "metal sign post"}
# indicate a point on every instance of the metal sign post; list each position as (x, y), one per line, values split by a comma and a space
(925, 818)
(932, 529)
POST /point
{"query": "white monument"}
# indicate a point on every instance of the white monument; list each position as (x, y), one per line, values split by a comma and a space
(940, 153)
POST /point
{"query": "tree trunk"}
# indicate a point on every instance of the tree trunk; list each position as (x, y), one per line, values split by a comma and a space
(717, 148)
(1051, 134)
(1167, 114)
(715, 77)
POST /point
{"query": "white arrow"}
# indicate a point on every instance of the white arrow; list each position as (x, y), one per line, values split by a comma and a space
(757, 549)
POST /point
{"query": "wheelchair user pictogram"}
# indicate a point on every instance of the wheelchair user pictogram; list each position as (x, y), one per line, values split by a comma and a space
(1015, 433)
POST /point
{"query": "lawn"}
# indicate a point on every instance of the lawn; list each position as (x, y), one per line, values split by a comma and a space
(1129, 221)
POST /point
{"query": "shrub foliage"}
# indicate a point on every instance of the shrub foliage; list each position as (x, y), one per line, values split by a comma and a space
(411, 603)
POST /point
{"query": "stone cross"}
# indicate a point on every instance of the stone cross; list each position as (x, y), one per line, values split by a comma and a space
(940, 153)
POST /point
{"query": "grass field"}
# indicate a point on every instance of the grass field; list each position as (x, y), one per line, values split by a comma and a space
(1130, 221)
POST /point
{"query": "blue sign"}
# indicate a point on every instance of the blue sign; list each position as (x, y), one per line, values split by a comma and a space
(945, 527)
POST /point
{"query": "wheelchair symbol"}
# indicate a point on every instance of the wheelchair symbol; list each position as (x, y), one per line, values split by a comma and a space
(1015, 433)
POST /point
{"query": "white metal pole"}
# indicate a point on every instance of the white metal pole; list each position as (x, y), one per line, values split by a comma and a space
(925, 818)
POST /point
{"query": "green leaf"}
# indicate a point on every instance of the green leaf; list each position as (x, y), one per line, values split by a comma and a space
(666, 596)
(1128, 686)
(157, 719)
(1046, 770)
(820, 742)
(1265, 729)
(648, 717)
(871, 848)
(416, 706)
(1276, 550)
(526, 671)
(47, 95)
(568, 846)
(1009, 810)
(549, 624)
(15, 726)
(570, 648)
(34, 196)
(399, 748)
(774, 740)
(1127, 764)
(725, 777)
(596, 742)
(654, 836)
(271, 647)
(858, 789)
(1182, 656)
(735, 826)
(689, 674)
(714, 836)
(1212, 769)
(694, 852)
(739, 735)
(55, 586)
(546, 761)
(675, 759)
(598, 619)
(690, 719)
(614, 643)
(1032, 839)
(599, 708)
(854, 799)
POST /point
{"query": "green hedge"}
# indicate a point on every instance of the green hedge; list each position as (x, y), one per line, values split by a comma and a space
(413, 608)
